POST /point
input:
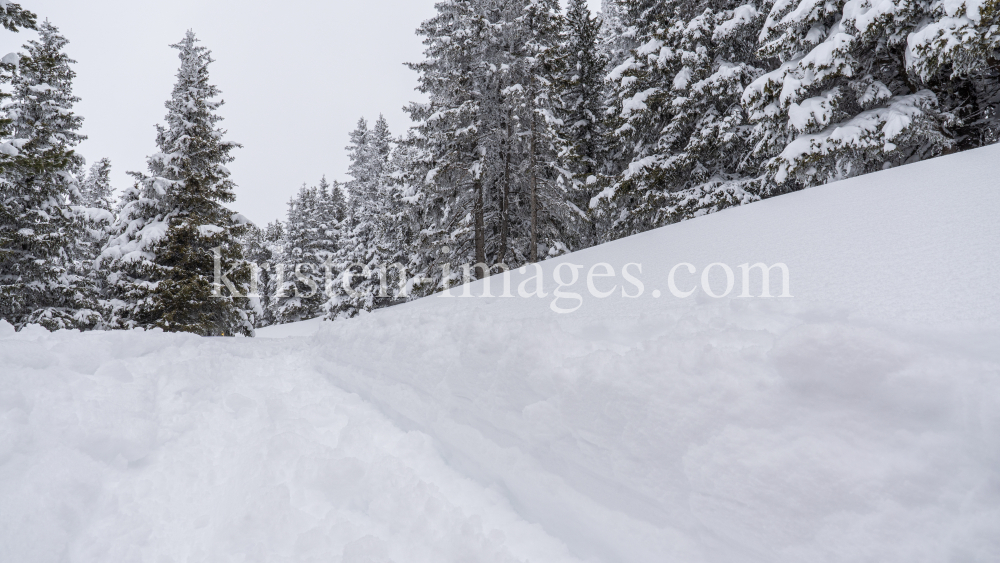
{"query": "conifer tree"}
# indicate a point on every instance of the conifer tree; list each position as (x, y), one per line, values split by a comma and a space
(580, 89)
(95, 189)
(310, 242)
(13, 18)
(680, 116)
(950, 48)
(258, 252)
(96, 210)
(266, 249)
(372, 258)
(448, 147)
(488, 179)
(580, 95)
(552, 217)
(617, 36)
(174, 235)
(841, 101)
(41, 233)
(335, 205)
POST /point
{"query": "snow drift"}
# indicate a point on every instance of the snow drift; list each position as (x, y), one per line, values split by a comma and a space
(857, 421)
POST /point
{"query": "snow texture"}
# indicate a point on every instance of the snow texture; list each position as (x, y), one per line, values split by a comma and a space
(857, 421)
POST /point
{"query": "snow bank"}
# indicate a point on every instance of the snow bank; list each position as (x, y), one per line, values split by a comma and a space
(154, 447)
(857, 421)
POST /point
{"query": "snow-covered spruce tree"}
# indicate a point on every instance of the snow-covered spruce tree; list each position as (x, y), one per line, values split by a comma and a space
(373, 258)
(266, 249)
(95, 188)
(486, 145)
(616, 38)
(445, 143)
(680, 117)
(621, 21)
(842, 100)
(580, 107)
(257, 251)
(41, 234)
(553, 221)
(334, 202)
(950, 48)
(173, 229)
(580, 90)
(13, 18)
(96, 209)
(309, 247)
(96, 206)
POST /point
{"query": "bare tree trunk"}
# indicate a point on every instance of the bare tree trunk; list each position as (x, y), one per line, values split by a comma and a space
(480, 229)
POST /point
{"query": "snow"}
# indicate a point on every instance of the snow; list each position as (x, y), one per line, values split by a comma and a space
(742, 15)
(210, 230)
(681, 80)
(948, 34)
(857, 421)
(618, 71)
(636, 102)
(302, 328)
(813, 112)
(795, 77)
(864, 13)
(136, 241)
(971, 8)
(93, 214)
(876, 127)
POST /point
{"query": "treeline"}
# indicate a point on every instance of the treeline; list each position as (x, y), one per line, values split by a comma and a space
(548, 132)
(545, 132)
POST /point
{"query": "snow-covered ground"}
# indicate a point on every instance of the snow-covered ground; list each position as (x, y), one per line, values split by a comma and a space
(858, 421)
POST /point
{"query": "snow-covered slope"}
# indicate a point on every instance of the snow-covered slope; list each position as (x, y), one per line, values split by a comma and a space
(856, 421)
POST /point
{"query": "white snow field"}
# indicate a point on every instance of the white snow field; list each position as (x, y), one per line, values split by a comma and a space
(858, 421)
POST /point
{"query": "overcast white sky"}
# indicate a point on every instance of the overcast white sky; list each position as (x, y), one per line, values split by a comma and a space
(296, 75)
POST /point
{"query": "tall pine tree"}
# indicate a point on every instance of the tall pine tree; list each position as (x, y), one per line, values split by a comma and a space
(174, 237)
(373, 259)
(42, 241)
(309, 248)
(679, 117)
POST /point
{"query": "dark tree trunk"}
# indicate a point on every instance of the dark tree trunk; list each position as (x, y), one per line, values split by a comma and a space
(533, 180)
(505, 197)
(480, 228)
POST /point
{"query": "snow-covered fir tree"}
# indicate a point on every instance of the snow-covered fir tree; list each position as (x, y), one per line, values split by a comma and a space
(446, 141)
(949, 48)
(264, 247)
(580, 87)
(309, 247)
(553, 221)
(487, 176)
(95, 187)
(13, 18)
(617, 37)
(372, 260)
(679, 115)
(841, 99)
(42, 237)
(173, 234)
(580, 109)
(722, 103)
(96, 210)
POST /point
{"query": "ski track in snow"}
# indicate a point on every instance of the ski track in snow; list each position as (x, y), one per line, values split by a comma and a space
(858, 421)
